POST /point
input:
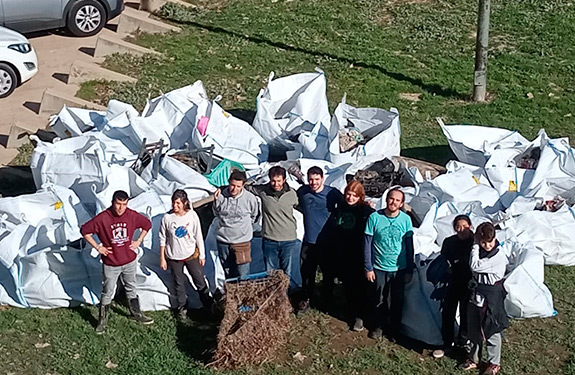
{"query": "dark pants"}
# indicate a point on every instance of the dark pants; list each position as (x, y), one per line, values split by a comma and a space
(278, 256)
(355, 286)
(228, 259)
(456, 294)
(312, 256)
(387, 301)
(179, 280)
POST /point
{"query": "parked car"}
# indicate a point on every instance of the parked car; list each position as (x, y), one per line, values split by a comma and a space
(80, 17)
(18, 61)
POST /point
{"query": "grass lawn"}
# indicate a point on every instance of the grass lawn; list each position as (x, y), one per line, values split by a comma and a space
(375, 51)
(62, 341)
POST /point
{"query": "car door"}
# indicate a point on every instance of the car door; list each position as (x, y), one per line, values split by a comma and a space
(32, 15)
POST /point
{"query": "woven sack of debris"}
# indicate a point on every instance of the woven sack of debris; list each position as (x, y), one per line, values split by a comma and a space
(257, 318)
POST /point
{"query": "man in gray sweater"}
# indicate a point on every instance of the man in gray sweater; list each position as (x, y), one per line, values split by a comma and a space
(236, 210)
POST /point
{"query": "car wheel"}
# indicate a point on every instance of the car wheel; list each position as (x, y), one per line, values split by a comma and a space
(86, 18)
(8, 80)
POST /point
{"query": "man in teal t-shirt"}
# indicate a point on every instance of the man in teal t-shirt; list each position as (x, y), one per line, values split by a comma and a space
(388, 258)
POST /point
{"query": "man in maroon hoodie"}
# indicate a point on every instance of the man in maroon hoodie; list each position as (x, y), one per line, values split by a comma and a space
(115, 229)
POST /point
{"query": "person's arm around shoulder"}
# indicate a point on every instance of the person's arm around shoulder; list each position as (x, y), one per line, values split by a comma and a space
(300, 192)
(294, 198)
(334, 199)
(255, 189)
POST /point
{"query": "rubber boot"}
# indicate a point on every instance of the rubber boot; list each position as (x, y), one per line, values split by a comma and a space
(102, 319)
(206, 299)
(137, 313)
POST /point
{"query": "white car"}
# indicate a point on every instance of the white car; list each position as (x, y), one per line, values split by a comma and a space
(18, 61)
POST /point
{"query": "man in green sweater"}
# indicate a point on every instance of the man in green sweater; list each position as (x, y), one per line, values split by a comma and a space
(278, 222)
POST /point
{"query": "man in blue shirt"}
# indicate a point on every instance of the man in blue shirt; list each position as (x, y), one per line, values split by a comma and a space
(316, 202)
(388, 258)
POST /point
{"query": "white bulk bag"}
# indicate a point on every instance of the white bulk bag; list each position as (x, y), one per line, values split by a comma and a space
(381, 127)
(556, 166)
(173, 175)
(59, 276)
(471, 143)
(509, 182)
(118, 178)
(76, 163)
(527, 297)
(295, 107)
(232, 138)
(550, 232)
(72, 122)
(170, 117)
(54, 203)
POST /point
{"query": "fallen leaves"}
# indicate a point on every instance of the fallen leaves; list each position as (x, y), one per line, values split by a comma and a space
(300, 357)
(410, 96)
(111, 365)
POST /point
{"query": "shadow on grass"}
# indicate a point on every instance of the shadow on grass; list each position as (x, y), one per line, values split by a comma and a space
(430, 88)
(86, 314)
(337, 308)
(434, 154)
(197, 337)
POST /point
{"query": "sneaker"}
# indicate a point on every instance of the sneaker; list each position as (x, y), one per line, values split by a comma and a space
(438, 353)
(467, 347)
(143, 319)
(376, 334)
(182, 314)
(468, 365)
(357, 325)
(492, 369)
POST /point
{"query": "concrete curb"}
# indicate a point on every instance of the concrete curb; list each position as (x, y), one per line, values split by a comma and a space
(18, 136)
(154, 5)
(134, 20)
(108, 44)
(53, 102)
(81, 71)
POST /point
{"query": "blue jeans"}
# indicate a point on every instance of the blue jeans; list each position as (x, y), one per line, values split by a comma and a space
(228, 260)
(278, 256)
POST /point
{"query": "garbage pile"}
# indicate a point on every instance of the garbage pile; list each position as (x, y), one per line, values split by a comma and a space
(527, 188)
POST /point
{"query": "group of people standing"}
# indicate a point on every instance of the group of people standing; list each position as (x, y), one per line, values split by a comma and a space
(371, 252)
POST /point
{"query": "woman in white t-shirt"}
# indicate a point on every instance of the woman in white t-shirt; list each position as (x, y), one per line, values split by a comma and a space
(182, 244)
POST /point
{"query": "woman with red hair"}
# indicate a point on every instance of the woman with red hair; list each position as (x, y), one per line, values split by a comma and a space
(348, 223)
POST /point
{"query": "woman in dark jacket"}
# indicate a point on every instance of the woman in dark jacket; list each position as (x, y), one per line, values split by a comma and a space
(348, 224)
(456, 250)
